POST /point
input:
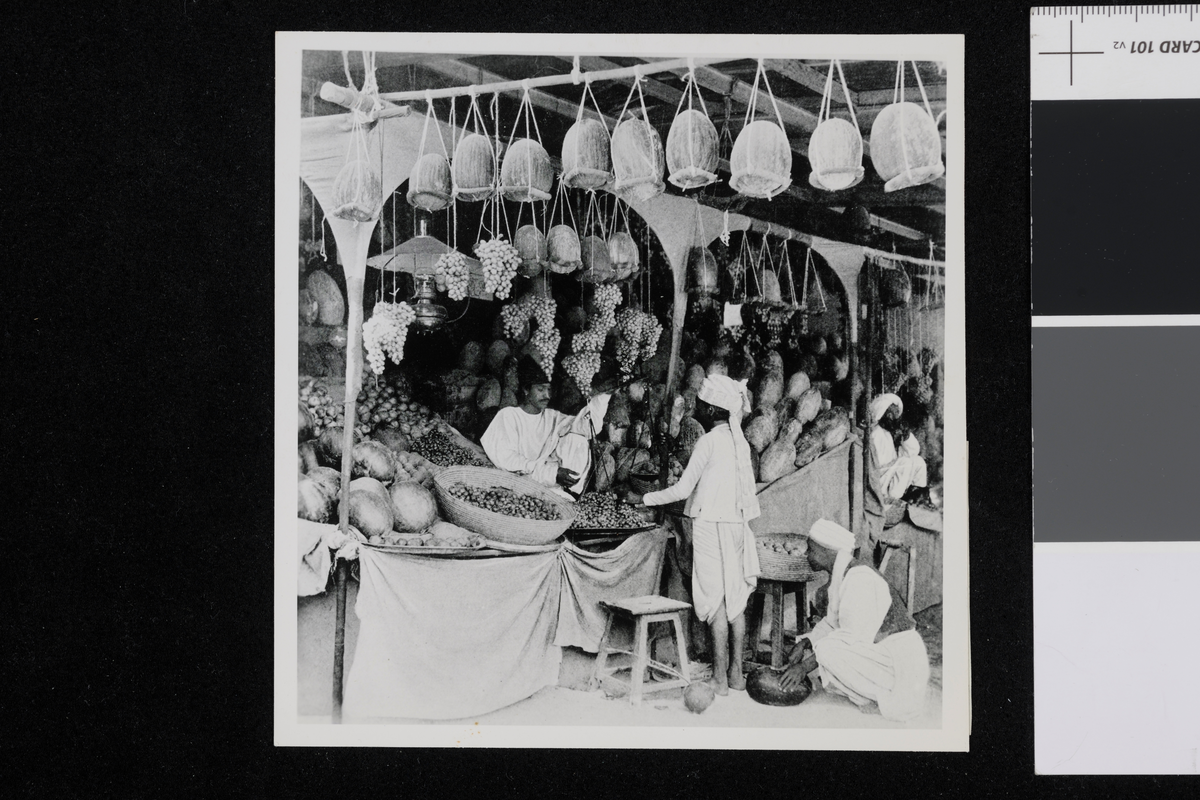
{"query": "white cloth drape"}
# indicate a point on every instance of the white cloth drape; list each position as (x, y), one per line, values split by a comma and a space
(724, 567)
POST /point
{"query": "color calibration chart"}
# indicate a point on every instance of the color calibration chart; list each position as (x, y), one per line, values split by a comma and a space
(1115, 245)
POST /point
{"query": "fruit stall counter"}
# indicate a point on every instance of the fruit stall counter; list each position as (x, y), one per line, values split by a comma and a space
(450, 638)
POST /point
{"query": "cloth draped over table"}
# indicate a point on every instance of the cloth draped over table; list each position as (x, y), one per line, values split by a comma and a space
(457, 638)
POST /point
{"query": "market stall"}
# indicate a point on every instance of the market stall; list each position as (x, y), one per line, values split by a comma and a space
(622, 296)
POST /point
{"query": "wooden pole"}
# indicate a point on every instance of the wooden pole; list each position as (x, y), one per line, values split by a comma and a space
(339, 638)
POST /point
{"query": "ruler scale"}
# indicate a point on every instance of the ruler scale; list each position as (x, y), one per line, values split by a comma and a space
(1115, 214)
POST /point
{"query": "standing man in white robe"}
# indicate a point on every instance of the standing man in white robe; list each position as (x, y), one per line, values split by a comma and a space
(867, 647)
(718, 484)
(898, 468)
(538, 442)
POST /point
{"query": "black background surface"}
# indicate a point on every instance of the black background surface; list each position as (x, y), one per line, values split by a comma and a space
(1116, 204)
(139, 339)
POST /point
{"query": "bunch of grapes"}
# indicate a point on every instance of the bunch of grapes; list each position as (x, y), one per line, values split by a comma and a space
(546, 338)
(500, 261)
(589, 340)
(651, 332)
(629, 338)
(514, 316)
(608, 297)
(451, 270)
(582, 367)
(385, 332)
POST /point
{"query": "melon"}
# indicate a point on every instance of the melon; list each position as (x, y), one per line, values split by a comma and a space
(470, 358)
(488, 394)
(391, 438)
(307, 452)
(315, 504)
(497, 353)
(371, 485)
(776, 461)
(413, 506)
(369, 512)
(808, 406)
(329, 479)
(304, 423)
(790, 431)
(762, 429)
(331, 306)
(309, 307)
(372, 460)
(769, 390)
(690, 432)
(797, 385)
(329, 446)
(695, 377)
(808, 447)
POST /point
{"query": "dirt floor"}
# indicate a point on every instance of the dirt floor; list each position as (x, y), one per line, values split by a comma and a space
(570, 702)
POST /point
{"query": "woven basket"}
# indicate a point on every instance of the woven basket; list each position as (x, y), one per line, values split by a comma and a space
(781, 566)
(493, 526)
(642, 485)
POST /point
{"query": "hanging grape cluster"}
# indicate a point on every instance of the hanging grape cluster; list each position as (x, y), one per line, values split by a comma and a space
(500, 261)
(385, 332)
(586, 345)
(514, 317)
(582, 367)
(451, 272)
(546, 338)
(637, 337)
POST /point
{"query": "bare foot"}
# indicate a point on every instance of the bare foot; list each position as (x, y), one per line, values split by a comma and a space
(721, 688)
(737, 681)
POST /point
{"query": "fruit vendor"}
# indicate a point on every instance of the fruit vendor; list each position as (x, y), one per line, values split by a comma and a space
(866, 648)
(718, 484)
(534, 440)
(895, 449)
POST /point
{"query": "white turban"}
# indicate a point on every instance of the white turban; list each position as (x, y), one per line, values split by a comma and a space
(829, 534)
(882, 403)
(724, 392)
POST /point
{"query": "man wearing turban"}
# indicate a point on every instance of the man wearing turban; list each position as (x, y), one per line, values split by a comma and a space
(718, 484)
(536, 441)
(897, 455)
(867, 647)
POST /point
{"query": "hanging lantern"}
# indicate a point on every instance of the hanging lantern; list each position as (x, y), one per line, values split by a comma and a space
(906, 147)
(531, 244)
(623, 253)
(474, 168)
(597, 265)
(702, 274)
(527, 174)
(692, 145)
(835, 151)
(761, 163)
(429, 186)
(585, 155)
(357, 193)
(638, 161)
(429, 314)
(563, 249)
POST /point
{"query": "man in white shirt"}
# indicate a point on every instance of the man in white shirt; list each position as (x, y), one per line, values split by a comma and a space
(536, 441)
(898, 468)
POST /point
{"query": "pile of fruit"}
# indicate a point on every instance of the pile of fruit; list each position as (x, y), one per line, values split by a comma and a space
(786, 547)
(604, 510)
(321, 408)
(439, 448)
(501, 500)
(384, 405)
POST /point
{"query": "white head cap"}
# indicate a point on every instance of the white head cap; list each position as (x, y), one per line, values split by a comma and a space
(829, 534)
(882, 403)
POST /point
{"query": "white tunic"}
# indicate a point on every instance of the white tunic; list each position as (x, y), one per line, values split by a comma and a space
(536, 445)
(894, 673)
(898, 471)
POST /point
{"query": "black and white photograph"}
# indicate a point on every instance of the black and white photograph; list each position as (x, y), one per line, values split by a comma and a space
(629, 378)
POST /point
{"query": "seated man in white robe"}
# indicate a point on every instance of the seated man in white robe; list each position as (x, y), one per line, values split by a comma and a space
(867, 647)
(538, 442)
(899, 467)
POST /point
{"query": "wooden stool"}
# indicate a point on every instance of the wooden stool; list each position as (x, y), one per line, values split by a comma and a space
(778, 589)
(888, 549)
(643, 611)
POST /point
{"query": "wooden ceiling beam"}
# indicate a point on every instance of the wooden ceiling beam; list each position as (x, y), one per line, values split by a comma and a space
(805, 75)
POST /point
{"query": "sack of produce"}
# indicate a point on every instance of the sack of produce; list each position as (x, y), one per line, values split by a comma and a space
(808, 406)
(769, 389)
(808, 447)
(776, 461)
(497, 355)
(772, 362)
(790, 431)
(488, 395)
(690, 432)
